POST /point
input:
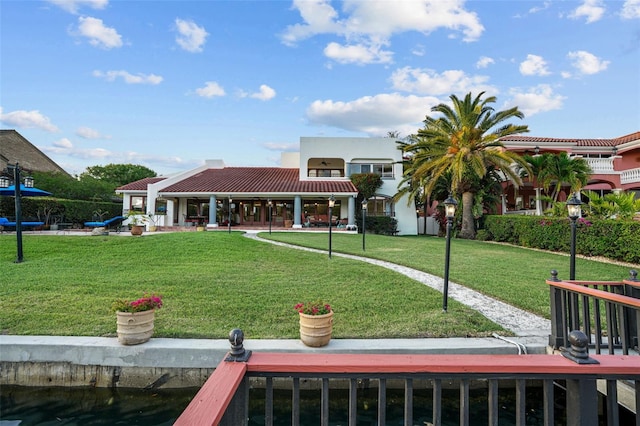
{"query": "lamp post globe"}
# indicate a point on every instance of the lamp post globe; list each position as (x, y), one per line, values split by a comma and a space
(450, 205)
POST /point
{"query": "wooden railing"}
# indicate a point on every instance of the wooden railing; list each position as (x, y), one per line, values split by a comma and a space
(224, 399)
(578, 305)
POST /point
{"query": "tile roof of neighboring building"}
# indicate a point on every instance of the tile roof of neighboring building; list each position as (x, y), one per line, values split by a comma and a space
(141, 185)
(238, 180)
(579, 142)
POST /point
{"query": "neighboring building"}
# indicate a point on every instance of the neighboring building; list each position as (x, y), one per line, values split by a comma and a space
(14, 148)
(298, 190)
(615, 164)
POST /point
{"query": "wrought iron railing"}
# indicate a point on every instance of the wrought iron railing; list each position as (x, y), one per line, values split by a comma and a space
(608, 312)
(569, 381)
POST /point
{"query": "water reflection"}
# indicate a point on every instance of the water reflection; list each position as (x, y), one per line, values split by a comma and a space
(27, 406)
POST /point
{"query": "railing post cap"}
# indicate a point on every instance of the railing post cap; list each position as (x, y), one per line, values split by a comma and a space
(237, 353)
(579, 352)
(633, 274)
(554, 275)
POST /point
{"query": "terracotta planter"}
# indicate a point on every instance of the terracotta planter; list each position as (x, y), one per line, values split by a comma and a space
(137, 229)
(135, 327)
(315, 330)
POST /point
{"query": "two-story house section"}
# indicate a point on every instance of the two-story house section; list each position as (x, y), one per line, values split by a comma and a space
(294, 195)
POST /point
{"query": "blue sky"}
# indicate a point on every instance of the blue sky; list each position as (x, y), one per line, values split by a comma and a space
(168, 84)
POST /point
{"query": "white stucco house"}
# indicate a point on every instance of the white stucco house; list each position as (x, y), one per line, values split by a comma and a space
(296, 193)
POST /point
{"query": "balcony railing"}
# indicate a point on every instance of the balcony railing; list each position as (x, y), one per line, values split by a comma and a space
(579, 305)
(570, 380)
(630, 176)
(600, 165)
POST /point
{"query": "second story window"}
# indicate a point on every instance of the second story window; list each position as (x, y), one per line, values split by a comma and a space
(385, 170)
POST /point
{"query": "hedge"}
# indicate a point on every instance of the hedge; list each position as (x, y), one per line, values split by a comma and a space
(613, 239)
(51, 210)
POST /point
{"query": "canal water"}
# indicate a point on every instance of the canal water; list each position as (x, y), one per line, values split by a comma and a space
(26, 406)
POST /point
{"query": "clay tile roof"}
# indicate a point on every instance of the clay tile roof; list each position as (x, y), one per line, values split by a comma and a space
(140, 185)
(238, 180)
(577, 142)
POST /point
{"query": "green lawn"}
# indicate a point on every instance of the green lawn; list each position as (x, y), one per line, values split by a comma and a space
(213, 282)
(514, 275)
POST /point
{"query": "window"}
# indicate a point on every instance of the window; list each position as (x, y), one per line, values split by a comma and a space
(380, 206)
(385, 170)
(325, 173)
(138, 204)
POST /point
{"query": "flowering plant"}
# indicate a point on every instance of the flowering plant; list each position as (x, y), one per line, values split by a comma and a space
(146, 303)
(317, 307)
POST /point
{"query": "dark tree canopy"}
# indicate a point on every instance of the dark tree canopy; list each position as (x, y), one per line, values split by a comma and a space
(119, 174)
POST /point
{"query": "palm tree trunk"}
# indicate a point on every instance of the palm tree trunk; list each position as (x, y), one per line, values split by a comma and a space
(468, 230)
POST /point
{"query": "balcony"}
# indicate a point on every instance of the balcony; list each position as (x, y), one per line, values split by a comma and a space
(630, 176)
(601, 165)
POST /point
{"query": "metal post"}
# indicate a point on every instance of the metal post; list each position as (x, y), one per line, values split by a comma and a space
(364, 224)
(572, 264)
(229, 224)
(18, 200)
(270, 207)
(332, 201)
(330, 214)
(450, 205)
(445, 291)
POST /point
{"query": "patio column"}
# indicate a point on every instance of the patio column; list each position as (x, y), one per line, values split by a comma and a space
(504, 203)
(169, 214)
(297, 211)
(213, 209)
(351, 214)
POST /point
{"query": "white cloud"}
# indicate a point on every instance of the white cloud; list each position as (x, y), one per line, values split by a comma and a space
(429, 82)
(191, 37)
(357, 53)
(587, 63)
(210, 90)
(128, 77)
(534, 65)
(63, 143)
(374, 115)
(630, 9)
(536, 9)
(266, 93)
(89, 133)
(535, 100)
(484, 62)
(367, 25)
(590, 9)
(98, 34)
(28, 120)
(72, 6)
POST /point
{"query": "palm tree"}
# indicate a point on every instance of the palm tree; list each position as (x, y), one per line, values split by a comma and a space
(562, 169)
(461, 142)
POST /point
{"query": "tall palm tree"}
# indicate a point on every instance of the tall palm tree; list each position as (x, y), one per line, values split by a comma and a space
(464, 141)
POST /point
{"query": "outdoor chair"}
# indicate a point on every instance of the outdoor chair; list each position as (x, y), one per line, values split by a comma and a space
(6, 223)
(115, 222)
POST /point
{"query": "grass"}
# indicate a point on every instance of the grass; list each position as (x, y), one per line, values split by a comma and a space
(514, 275)
(213, 282)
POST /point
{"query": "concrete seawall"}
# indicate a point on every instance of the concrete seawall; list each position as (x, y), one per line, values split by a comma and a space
(175, 363)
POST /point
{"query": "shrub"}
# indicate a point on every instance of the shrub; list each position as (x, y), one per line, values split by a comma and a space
(614, 239)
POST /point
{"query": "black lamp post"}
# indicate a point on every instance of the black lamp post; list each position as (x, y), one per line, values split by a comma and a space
(450, 205)
(229, 224)
(270, 207)
(573, 208)
(332, 202)
(5, 182)
(365, 202)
